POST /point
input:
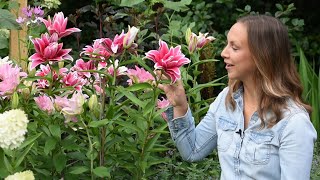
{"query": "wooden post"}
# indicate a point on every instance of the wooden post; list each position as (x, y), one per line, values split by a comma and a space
(18, 48)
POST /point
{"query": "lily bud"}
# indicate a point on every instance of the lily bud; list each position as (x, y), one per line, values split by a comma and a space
(61, 64)
(130, 36)
(15, 100)
(192, 43)
(31, 72)
(93, 102)
(188, 35)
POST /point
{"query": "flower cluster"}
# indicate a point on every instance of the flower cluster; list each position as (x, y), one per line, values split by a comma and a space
(13, 127)
(31, 15)
(197, 42)
(25, 175)
(168, 60)
(9, 76)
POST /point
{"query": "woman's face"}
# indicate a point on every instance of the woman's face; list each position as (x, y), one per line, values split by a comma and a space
(237, 56)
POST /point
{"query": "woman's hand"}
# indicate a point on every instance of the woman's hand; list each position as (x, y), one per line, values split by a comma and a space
(176, 96)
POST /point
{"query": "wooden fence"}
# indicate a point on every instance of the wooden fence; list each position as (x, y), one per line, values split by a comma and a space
(18, 49)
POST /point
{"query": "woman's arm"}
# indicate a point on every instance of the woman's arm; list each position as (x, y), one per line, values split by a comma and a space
(195, 142)
(296, 148)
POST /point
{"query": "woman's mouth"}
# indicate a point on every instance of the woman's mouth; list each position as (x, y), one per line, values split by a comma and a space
(228, 66)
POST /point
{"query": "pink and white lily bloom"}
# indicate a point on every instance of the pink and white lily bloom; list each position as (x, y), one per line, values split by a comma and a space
(83, 66)
(203, 40)
(45, 103)
(121, 70)
(197, 42)
(59, 25)
(139, 75)
(130, 36)
(73, 107)
(169, 60)
(74, 80)
(161, 104)
(115, 47)
(96, 51)
(48, 49)
(46, 70)
(9, 78)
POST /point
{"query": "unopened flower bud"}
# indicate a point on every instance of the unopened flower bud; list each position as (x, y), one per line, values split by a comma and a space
(61, 64)
(93, 102)
(130, 36)
(188, 35)
(15, 100)
(192, 43)
(31, 72)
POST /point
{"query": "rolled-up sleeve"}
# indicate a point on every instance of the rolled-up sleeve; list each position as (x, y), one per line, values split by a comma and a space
(195, 142)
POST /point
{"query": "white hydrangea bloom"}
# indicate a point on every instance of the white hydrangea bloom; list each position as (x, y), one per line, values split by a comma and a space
(25, 175)
(5, 60)
(13, 127)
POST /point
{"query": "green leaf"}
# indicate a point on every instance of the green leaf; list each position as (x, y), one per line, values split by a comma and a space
(55, 131)
(59, 161)
(29, 140)
(100, 123)
(131, 96)
(7, 164)
(4, 43)
(8, 20)
(129, 126)
(139, 86)
(49, 145)
(22, 155)
(102, 171)
(151, 142)
(148, 108)
(209, 84)
(78, 169)
(202, 62)
(177, 6)
(130, 3)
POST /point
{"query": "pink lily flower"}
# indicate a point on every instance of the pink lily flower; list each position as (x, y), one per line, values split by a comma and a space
(97, 50)
(44, 71)
(60, 103)
(120, 70)
(130, 36)
(58, 25)
(197, 42)
(72, 79)
(115, 47)
(169, 60)
(203, 40)
(139, 75)
(161, 104)
(82, 66)
(73, 107)
(45, 103)
(48, 49)
(9, 78)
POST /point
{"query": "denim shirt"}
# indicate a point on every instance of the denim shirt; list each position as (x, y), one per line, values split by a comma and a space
(283, 152)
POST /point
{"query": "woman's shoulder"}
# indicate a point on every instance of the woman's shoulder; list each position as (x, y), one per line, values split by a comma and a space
(296, 120)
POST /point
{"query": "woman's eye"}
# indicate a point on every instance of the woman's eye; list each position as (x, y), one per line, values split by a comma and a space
(234, 48)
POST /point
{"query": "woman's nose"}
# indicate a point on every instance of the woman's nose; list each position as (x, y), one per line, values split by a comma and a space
(224, 53)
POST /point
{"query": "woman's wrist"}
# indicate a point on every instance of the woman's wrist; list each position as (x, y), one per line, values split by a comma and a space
(179, 111)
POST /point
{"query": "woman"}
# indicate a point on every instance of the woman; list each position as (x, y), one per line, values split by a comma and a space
(259, 123)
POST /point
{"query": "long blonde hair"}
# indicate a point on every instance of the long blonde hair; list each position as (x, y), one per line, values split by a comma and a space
(276, 76)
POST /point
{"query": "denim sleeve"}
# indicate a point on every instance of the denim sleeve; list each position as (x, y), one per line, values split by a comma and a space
(296, 148)
(195, 143)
